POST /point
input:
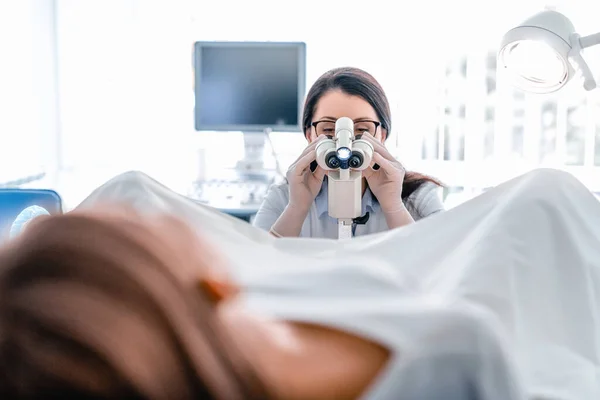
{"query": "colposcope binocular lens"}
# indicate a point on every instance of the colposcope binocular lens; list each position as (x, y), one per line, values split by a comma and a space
(332, 161)
(355, 155)
(344, 158)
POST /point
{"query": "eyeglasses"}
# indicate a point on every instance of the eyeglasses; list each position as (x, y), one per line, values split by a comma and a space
(327, 127)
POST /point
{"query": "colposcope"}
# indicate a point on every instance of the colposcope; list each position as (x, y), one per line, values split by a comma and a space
(344, 157)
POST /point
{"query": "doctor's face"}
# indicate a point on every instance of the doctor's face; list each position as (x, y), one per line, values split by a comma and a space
(335, 104)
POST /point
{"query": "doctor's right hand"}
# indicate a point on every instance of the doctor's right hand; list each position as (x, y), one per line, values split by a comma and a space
(305, 184)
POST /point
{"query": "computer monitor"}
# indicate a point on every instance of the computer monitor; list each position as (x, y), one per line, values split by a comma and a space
(252, 87)
(249, 86)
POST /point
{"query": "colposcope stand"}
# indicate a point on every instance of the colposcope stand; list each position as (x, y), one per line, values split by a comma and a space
(345, 201)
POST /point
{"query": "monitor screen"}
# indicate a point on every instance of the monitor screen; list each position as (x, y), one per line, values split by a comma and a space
(13, 201)
(249, 86)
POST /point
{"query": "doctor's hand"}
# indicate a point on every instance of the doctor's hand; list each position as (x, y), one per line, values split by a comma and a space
(386, 181)
(305, 184)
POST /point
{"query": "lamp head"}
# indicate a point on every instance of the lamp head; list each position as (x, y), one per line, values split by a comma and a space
(536, 54)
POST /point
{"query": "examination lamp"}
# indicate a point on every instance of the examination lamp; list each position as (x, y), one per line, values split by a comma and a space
(544, 52)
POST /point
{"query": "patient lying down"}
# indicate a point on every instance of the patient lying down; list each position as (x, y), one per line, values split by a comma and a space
(496, 299)
(110, 305)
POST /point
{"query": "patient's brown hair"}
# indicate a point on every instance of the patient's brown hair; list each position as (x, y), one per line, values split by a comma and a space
(89, 308)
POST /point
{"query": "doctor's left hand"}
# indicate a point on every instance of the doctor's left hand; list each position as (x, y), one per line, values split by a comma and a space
(386, 182)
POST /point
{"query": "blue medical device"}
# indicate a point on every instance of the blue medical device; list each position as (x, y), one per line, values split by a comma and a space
(20, 203)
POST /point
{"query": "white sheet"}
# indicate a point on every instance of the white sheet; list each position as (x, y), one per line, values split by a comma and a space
(526, 252)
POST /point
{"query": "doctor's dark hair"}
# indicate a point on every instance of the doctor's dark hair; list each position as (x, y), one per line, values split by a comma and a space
(356, 82)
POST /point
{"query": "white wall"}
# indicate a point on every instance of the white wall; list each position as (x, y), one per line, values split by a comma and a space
(125, 65)
(125, 70)
(125, 85)
(28, 97)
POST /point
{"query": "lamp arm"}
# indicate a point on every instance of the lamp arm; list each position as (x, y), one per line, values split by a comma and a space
(590, 40)
(578, 62)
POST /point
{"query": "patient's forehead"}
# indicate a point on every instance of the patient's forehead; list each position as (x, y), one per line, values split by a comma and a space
(336, 104)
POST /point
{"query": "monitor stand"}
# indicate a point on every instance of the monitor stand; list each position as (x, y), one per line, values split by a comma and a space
(253, 163)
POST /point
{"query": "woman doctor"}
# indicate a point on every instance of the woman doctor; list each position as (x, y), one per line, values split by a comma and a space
(392, 196)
